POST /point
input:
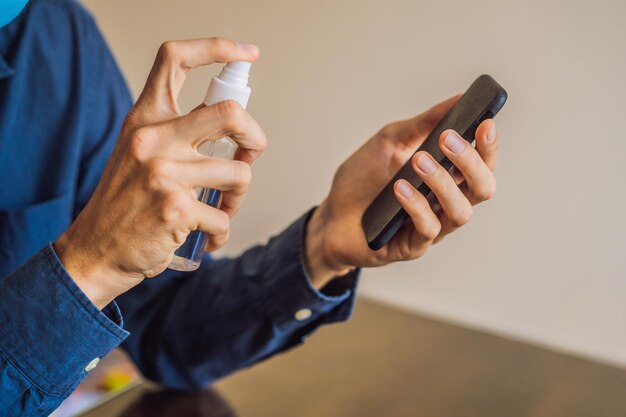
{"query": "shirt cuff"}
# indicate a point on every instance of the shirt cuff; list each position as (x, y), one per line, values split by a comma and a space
(294, 301)
(51, 331)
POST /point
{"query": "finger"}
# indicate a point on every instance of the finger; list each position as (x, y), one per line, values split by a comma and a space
(424, 220)
(455, 205)
(213, 222)
(232, 178)
(487, 142)
(176, 58)
(224, 119)
(457, 175)
(232, 202)
(215, 173)
(486, 145)
(412, 132)
(481, 183)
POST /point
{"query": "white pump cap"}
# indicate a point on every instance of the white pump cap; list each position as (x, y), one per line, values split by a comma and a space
(231, 84)
(236, 73)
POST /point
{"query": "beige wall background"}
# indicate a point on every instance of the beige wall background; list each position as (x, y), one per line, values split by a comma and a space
(543, 261)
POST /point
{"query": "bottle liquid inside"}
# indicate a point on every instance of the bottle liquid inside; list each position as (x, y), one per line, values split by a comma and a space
(189, 256)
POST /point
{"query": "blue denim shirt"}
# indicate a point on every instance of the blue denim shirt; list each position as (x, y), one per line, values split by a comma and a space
(62, 102)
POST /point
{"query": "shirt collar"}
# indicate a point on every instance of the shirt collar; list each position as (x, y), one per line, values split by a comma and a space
(5, 69)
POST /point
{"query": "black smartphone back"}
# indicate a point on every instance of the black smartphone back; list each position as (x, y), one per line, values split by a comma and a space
(482, 100)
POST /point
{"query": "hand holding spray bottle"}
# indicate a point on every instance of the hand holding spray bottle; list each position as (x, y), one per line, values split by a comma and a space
(231, 84)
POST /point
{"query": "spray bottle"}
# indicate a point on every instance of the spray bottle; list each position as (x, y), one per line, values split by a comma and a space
(231, 84)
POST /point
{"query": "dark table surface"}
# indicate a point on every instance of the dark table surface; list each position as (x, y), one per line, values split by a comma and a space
(385, 362)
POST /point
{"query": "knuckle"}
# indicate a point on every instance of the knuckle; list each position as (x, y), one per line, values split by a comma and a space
(157, 173)
(388, 131)
(173, 208)
(462, 217)
(486, 191)
(230, 113)
(423, 209)
(223, 239)
(222, 223)
(242, 174)
(179, 236)
(132, 119)
(218, 42)
(431, 231)
(227, 108)
(407, 253)
(428, 227)
(396, 159)
(218, 241)
(139, 143)
(168, 51)
(262, 142)
(475, 160)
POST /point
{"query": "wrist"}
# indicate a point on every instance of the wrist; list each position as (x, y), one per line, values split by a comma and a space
(94, 280)
(321, 265)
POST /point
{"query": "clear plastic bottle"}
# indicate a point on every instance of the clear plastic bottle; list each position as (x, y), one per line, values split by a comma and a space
(231, 84)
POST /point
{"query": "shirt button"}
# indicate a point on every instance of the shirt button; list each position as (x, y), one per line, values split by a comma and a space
(303, 314)
(92, 364)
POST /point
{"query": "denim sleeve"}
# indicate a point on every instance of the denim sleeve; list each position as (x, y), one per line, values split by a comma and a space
(108, 101)
(51, 335)
(188, 329)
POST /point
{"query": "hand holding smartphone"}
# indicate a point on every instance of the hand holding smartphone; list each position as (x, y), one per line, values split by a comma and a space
(482, 100)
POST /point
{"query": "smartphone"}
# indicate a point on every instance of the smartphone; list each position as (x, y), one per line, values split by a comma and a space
(482, 100)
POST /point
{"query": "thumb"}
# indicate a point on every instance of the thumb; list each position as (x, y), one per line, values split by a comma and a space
(412, 132)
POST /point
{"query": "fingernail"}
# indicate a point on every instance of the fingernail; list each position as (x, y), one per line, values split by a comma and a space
(248, 47)
(491, 134)
(426, 164)
(405, 189)
(454, 143)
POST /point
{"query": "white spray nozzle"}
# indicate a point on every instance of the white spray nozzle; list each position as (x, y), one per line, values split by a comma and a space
(236, 73)
(231, 84)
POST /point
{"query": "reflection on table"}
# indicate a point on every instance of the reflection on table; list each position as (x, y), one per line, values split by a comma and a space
(162, 403)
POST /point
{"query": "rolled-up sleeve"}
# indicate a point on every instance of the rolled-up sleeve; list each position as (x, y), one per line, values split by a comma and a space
(51, 335)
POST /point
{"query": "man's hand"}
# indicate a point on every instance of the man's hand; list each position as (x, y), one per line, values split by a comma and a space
(145, 204)
(335, 242)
